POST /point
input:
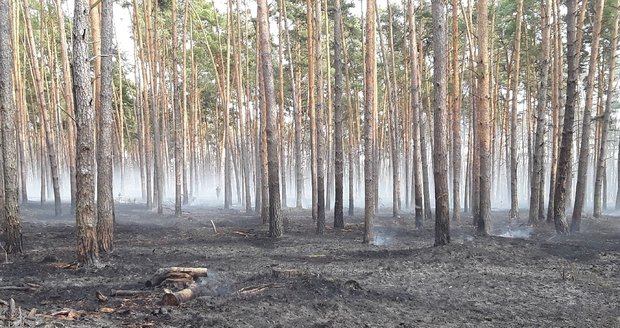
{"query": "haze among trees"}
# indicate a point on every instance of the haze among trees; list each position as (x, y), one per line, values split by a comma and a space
(440, 111)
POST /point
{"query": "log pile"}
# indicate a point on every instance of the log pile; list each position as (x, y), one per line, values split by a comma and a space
(176, 275)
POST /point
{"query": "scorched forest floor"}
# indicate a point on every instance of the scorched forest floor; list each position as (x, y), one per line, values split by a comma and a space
(543, 280)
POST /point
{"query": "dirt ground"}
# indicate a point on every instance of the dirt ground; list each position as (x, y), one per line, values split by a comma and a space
(541, 281)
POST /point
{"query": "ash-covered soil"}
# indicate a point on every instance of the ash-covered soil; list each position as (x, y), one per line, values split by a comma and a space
(541, 281)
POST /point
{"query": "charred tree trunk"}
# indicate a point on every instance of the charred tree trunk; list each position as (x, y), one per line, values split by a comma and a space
(275, 218)
(370, 99)
(537, 178)
(87, 251)
(440, 152)
(105, 196)
(483, 120)
(565, 152)
(338, 147)
(10, 220)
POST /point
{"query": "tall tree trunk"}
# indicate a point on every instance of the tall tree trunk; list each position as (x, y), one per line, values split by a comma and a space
(281, 130)
(105, 196)
(275, 218)
(68, 96)
(483, 120)
(456, 118)
(565, 152)
(338, 147)
(299, 177)
(537, 177)
(87, 251)
(370, 99)
(416, 108)
(242, 108)
(556, 104)
(178, 119)
(601, 160)
(42, 102)
(586, 134)
(320, 120)
(516, 54)
(440, 152)
(10, 220)
(311, 105)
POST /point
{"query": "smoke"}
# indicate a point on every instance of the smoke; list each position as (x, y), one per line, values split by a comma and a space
(521, 233)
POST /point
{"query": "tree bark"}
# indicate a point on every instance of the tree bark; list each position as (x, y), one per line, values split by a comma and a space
(516, 54)
(178, 118)
(311, 105)
(320, 120)
(338, 147)
(565, 152)
(370, 99)
(10, 220)
(440, 152)
(456, 118)
(537, 178)
(105, 196)
(482, 120)
(275, 218)
(416, 106)
(601, 160)
(586, 130)
(87, 252)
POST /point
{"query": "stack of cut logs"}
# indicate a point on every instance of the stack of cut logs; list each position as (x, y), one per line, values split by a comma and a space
(178, 275)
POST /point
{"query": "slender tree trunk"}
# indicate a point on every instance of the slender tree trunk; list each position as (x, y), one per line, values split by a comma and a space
(563, 172)
(105, 196)
(586, 133)
(556, 104)
(299, 177)
(601, 161)
(178, 119)
(456, 118)
(440, 152)
(10, 219)
(320, 120)
(416, 108)
(68, 96)
(275, 218)
(370, 99)
(42, 102)
(514, 184)
(338, 147)
(483, 120)
(87, 252)
(537, 177)
(311, 105)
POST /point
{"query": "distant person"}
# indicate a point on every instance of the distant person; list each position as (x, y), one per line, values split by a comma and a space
(217, 191)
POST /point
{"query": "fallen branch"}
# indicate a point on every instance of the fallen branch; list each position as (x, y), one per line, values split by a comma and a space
(257, 289)
(173, 273)
(213, 224)
(18, 288)
(3, 302)
(244, 234)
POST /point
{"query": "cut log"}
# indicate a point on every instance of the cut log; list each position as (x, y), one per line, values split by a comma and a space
(286, 273)
(182, 296)
(174, 272)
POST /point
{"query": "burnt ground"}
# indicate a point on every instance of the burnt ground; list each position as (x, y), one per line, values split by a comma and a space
(542, 281)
